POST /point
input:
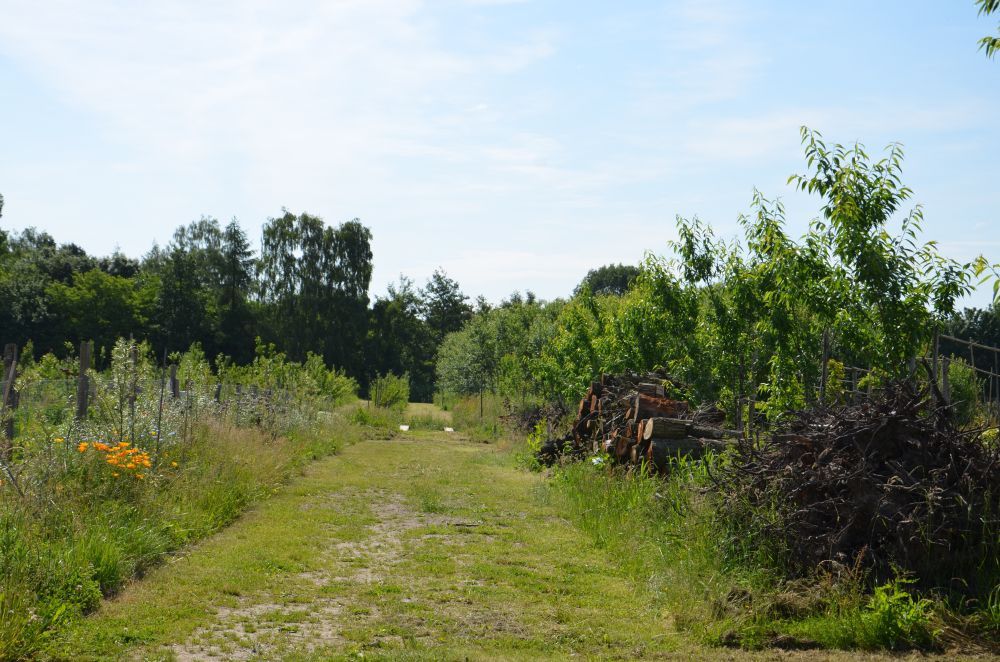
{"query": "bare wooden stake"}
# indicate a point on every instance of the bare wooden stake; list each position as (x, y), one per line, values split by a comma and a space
(824, 368)
(175, 387)
(10, 401)
(133, 359)
(738, 416)
(945, 380)
(159, 412)
(934, 361)
(83, 382)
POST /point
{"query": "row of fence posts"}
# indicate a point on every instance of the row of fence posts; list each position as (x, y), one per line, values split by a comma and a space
(938, 364)
(11, 397)
(990, 390)
(10, 401)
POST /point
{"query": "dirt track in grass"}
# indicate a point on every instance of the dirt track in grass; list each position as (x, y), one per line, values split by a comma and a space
(425, 546)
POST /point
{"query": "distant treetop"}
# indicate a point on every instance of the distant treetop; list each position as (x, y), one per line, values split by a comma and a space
(609, 279)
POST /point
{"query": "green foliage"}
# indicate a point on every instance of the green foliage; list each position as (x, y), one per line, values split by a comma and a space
(103, 307)
(390, 392)
(895, 620)
(479, 417)
(660, 531)
(836, 383)
(610, 279)
(444, 305)
(501, 350)
(991, 615)
(665, 533)
(965, 391)
(306, 293)
(744, 321)
(314, 282)
(400, 340)
(85, 525)
(381, 418)
(527, 456)
(310, 382)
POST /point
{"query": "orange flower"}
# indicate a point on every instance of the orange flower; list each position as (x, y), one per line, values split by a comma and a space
(82, 447)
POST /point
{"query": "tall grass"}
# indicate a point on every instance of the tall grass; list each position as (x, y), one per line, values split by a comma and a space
(479, 417)
(665, 532)
(660, 531)
(64, 549)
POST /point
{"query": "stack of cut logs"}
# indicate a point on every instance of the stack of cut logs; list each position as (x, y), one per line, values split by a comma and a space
(630, 418)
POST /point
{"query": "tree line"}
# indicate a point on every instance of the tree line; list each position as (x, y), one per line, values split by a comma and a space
(306, 290)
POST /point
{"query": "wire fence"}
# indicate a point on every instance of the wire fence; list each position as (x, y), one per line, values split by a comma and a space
(983, 360)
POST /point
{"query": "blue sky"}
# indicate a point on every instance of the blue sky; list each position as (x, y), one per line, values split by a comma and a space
(514, 143)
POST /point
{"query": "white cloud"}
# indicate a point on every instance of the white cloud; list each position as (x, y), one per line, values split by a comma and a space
(352, 79)
(440, 129)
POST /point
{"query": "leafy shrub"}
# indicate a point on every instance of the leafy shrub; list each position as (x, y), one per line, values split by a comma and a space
(965, 390)
(527, 455)
(836, 382)
(894, 619)
(390, 392)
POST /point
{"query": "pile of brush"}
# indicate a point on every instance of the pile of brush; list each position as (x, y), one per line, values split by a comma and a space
(887, 484)
(631, 418)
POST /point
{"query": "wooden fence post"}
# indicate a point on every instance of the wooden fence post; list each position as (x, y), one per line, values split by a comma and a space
(945, 381)
(824, 368)
(934, 360)
(9, 404)
(994, 381)
(750, 424)
(175, 387)
(83, 382)
(133, 358)
(10, 400)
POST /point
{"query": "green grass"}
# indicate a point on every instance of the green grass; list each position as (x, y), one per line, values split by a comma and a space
(666, 535)
(417, 415)
(423, 547)
(79, 540)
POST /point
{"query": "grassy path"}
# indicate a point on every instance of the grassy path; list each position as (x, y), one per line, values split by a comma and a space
(428, 547)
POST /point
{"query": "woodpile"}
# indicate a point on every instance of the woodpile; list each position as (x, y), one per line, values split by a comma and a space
(887, 485)
(633, 420)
